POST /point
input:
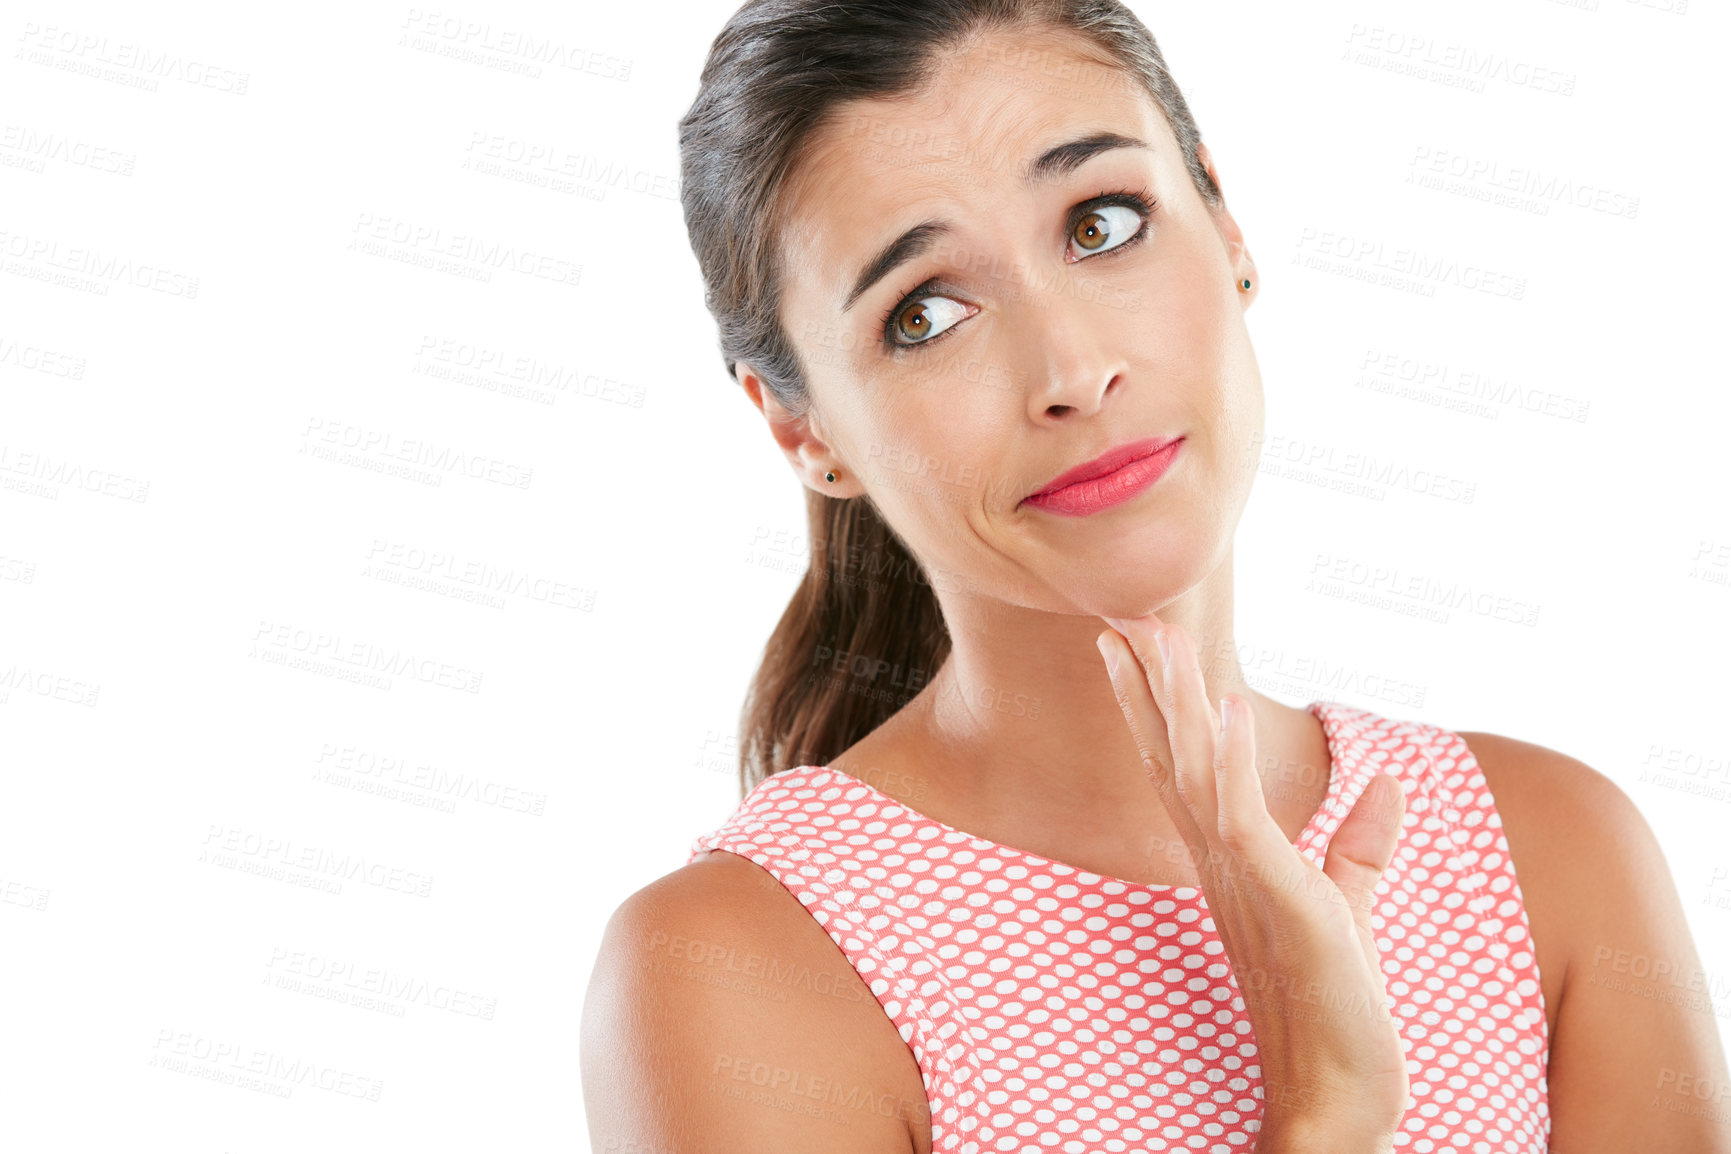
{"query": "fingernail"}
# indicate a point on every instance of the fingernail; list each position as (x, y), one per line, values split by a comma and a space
(1115, 622)
(1165, 648)
(1109, 650)
(1226, 712)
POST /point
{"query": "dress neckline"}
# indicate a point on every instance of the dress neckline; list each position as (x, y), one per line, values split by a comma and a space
(1323, 711)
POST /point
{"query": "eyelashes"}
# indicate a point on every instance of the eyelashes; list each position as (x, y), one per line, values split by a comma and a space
(925, 313)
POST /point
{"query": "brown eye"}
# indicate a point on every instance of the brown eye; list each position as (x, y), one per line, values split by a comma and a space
(921, 318)
(1091, 231)
(1105, 228)
(912, 323)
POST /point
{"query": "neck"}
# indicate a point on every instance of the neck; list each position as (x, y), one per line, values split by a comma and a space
(1020, 730)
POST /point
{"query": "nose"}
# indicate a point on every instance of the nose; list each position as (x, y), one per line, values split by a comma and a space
(1069, 353)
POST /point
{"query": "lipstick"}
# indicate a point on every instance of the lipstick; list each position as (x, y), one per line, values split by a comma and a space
(1112, 478)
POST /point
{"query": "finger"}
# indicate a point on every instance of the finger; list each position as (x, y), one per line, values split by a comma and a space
(1189, 738)
(1362, 847)
(1139, 635)
(1136, 699)
(1246, 827)
(1191, 728)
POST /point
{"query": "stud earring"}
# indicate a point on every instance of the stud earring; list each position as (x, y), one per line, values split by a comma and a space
(830, 477)
(1244, 285)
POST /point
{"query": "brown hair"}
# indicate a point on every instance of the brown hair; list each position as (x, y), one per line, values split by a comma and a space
(779, 71)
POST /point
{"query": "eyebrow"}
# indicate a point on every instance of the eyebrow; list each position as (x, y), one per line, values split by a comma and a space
(1066, 158)
(1059, 160)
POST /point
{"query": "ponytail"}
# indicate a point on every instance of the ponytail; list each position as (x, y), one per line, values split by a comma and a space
(861, 637)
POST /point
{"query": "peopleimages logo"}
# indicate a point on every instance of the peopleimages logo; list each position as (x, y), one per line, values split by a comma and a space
(278, 640)
(230, 1062)
(136, 65)
(509, 49)
(1513, 185)
(554, 161)
(42, 257)
(1367, 258)
(1455, 65)
(424, 245)
(283, 854)
(416, 451)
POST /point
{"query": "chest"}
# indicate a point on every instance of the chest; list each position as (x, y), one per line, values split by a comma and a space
(1045, 1001)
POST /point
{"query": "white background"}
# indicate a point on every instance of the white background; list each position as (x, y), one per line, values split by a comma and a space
(172, 543)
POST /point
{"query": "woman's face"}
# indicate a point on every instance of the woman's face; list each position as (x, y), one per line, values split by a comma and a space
(1000, 278)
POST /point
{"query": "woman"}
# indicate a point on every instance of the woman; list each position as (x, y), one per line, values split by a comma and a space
(991, 889)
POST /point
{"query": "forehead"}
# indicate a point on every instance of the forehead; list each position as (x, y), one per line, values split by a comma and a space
(994, 102)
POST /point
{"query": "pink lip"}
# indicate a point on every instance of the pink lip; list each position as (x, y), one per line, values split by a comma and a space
(1109, 479)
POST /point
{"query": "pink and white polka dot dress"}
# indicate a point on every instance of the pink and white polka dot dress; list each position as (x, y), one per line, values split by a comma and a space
(1053, 1009)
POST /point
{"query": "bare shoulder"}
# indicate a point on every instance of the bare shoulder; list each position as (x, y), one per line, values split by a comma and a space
(722, 1017)
(1578, 841)
(1548, 788)
(1569, 828)
(1636, 1059)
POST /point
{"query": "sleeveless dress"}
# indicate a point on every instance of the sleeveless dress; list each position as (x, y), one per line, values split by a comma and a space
(1053, 1009)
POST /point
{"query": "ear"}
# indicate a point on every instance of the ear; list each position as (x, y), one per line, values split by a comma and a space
(801, 439)
(1237, 254)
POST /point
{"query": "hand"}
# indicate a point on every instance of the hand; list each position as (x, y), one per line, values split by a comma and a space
(1299, 939)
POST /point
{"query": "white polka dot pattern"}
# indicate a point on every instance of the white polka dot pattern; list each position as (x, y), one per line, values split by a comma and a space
(1053, 1009)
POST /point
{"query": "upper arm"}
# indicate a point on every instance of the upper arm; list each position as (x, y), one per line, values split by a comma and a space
(722, 1018)
(1636, 1061)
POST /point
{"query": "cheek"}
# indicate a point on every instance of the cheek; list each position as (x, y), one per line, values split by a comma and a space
(928, 479)
(933, 421)
(1189, 292)
(1203, 352)
(937, 478)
